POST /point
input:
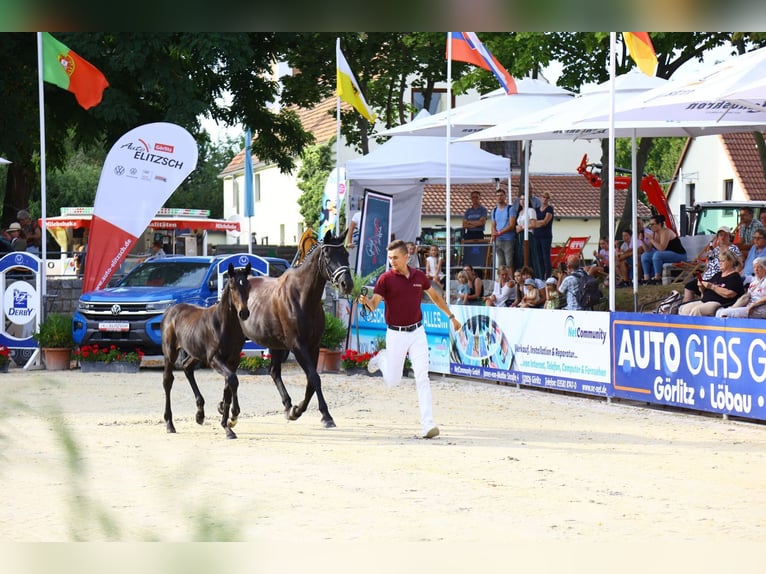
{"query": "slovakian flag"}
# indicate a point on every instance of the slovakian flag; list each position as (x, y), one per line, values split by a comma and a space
(466, 47)
(66, 69)
(141, 171)
(641, 50)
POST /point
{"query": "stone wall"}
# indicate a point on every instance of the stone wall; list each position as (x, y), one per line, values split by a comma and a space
(62, 294)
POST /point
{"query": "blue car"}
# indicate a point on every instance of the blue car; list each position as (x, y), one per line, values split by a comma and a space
(129, 314)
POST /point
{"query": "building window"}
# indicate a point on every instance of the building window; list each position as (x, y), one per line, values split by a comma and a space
(235, 196)
(281, 233)
(728, 188)
(256, 187)
(507, 149)
(438, 102)
(691, 193)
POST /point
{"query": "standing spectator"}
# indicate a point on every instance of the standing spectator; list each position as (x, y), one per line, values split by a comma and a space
(526, 219)
(352, 235)
(667, 249)
(543, 237)
(762, 217)
(474, 219)
(503, 231)
(743, 238)
(412, 255)
(402, 288)
(570, 285)
(721, 290)
(434, 267)
(758, 249)
(30, 232)
(721, 242)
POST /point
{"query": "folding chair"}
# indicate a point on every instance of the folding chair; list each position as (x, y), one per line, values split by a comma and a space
(573, 246)
(686, 269)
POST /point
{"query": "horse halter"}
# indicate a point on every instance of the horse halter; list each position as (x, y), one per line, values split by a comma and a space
(324, 268)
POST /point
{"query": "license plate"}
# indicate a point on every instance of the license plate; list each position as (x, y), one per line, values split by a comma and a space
(114, 326)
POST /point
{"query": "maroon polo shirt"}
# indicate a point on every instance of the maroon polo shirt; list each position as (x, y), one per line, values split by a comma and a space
(402, 296)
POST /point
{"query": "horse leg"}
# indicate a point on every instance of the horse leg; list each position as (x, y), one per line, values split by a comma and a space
(167, 384)
(313, 385)
(277, 358)
(189, 365)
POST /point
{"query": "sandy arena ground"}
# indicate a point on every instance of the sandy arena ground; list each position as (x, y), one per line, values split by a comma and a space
(86, 457)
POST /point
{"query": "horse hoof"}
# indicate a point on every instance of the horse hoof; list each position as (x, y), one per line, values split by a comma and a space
(230, 434)
(329, 424)
(293, 414)
(171, 429)
(232, 422)
(200, 418)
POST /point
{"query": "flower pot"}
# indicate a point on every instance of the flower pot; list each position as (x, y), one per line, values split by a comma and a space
(329, 361)
(258, 371)
(111, 367)
(4, 368)
(57, 359)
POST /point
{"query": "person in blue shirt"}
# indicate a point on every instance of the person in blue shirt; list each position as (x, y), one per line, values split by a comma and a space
(758, 249)
(474, 219)
(503, 235)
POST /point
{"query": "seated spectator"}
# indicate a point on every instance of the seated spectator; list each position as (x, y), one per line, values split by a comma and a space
(412, 256)
(753, 302)
(476, 286)
(552, 298)
(461, 293)
(624, 259)
(721, 243)
(531, 296)
(569, 286)
(666, 248)
(502, 290)
(721, 290)
(758, 249)
(528, 273)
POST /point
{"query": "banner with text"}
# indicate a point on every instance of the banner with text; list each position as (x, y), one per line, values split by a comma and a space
(140, 173)
(698, 363)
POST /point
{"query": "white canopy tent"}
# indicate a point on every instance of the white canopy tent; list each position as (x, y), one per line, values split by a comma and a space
(402, 166)
(492, 108)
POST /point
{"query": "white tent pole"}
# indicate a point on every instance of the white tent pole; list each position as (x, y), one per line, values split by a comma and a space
(43, 192)
(612, 47)
(635, 180)
(526, 201)
(448, 230)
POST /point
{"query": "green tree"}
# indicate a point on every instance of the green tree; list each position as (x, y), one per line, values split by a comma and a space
(316, 165)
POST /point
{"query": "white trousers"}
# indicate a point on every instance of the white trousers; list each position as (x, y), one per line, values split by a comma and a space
(391, 363)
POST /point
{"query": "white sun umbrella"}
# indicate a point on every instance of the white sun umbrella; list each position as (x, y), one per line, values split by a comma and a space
(490, 110)
(3, 160)
(731, 91)
(568, 121)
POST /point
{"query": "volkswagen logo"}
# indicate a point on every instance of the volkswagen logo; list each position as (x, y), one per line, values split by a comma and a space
(116, 309)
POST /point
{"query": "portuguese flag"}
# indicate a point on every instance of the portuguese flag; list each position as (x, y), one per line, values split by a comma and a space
(66, 69)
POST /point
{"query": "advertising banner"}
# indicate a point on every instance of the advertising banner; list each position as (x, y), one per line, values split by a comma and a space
(699, 363)
(143, 168)
(376, 232)
(556, 349)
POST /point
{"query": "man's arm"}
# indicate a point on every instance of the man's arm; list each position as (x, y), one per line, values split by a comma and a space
(439, 301)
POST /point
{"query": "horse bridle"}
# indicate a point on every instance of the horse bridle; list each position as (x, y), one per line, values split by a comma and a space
(323, 267)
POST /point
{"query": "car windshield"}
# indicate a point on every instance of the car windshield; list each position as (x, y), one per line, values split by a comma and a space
(167, 274)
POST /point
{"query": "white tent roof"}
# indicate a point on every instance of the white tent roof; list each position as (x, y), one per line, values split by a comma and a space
(403, 165)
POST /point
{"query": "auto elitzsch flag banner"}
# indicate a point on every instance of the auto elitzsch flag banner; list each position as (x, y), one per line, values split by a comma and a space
(141, 171)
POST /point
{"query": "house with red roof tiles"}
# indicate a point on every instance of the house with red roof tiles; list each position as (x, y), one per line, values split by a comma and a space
(718, 167)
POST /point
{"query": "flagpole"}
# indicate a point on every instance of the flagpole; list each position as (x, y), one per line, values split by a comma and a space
(43, 193)
(612, 47)
(448, 238)
(337, 168)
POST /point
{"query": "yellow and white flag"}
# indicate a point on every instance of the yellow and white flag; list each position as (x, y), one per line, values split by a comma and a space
(348, 90)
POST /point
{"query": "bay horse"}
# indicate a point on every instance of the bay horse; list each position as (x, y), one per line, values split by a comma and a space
(287, 314)
(208, 336)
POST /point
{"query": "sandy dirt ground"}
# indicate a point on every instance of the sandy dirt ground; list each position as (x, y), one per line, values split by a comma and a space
(85, 457)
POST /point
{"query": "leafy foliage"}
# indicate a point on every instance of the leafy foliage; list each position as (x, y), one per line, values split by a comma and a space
(255, 362)
(111, 354)
(334, 332)
(316, 165)
(55, 332)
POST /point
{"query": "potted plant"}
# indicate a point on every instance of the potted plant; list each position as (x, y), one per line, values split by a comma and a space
(54, 335)
(93, 358)
(353, 361)
(333, 336)
(255, 365)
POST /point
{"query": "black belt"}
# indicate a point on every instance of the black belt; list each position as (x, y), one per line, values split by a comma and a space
(408, 328)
